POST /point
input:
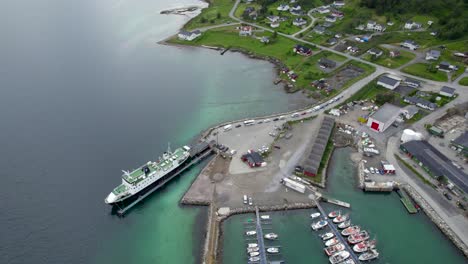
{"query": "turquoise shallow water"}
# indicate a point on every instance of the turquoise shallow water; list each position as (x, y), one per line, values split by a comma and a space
(402, 238)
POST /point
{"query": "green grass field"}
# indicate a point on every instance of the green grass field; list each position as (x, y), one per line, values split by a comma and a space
(420, 69)
(387, 61)
(463, 81)
(209, 15)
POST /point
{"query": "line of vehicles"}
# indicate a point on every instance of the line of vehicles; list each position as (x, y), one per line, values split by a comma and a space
(357, 238)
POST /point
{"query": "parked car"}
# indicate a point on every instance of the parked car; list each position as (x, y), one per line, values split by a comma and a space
(239, 125)
(275, 119)
(277, 147)
(448, 196)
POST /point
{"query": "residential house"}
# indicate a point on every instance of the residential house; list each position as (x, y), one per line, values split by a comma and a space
(326, 63)
(265, 40)
(372, 25)
(275, 24)
(337, 14)
(447, 91)
(273, 18)
(299, 22)
(375, 52)
(283, 7)
(302, 50)
(189, 35)
(332, 41)
(409, 111)
(245, 31)
(338, 4)
(330, 18)
(323, 10)
(409, 44)
(250, 12)
(319, 30)
(388, 82)
(446, 67)
(412, 83)
(295, 8)
(353, 49)
(432, 55)
(327, 24)
(395, 53)
(410, 25)
(297, 12)
(423, 103)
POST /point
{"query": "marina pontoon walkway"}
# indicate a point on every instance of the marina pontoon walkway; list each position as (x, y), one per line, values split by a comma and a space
(338, 234)
(261, 242)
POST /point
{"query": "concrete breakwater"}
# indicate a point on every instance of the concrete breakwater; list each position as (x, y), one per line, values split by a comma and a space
(434, 216)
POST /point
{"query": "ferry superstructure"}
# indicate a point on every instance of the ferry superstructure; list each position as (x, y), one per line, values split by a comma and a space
(149, 173)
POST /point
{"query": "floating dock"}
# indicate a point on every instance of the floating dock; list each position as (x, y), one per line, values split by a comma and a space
(404, 198)
(337, 202)
(197, 154)
(261, 242)
(379, 186)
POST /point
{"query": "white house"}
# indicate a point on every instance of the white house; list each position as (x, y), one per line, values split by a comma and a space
(409, 44)
(410, 25)
(384, 117)
(273, 18)
(299, 22)
(409, 111)
(388, 82)
(245, 31)
(447, 91)
(189, 35)
(283, 7)
(275, 24)
(375, 52)
(372, 25)
(338, 4)
(330, 18)
(432, 55)
(295, 8)
(323, 10)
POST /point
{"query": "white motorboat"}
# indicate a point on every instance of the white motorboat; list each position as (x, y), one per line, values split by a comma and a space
(364, 246)
(369, 255)
(333, 214)
(319, 225)
(348, 261)
(327, 236)
(273, 250)
(340, 219)
(339, 257)
(253, 249)
(254, 259)
(315, 215)
(334, 249)
(251, 232)
(350, 230)
(358, 237)
(250, 245)
(332, 242)
(265, 217)
(345, 224)
(254, 254)
(271, 236)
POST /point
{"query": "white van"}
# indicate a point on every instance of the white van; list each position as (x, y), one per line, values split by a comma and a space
(227, 127)
(295, 115)
(282, 117)
(249, 122)
(316, 108)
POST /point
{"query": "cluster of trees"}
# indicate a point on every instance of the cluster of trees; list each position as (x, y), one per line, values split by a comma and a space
(452, 14)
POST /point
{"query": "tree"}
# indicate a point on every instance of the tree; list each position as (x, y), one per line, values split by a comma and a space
(203, 20)
(383, 98)
(218, 15)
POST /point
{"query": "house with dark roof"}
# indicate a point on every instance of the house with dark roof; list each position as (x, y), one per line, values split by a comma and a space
(326, 63)
(302, 50)
(319, 30)
(423, 103)
(446, 67)
(461, 143)
(330, 18)
(409, 111)
(435, 163)
(338, 4)
(388, 82)
(384, 117)
(412, 83)
(447, 91)
(375, 52)
(409, 44)
(253, 159)
(337, 14)
(433, 55)
(299, 21)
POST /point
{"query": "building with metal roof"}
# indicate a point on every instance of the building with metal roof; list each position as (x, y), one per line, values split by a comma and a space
(384, 117)
(388, 82)
(461, 143)
(312, 163)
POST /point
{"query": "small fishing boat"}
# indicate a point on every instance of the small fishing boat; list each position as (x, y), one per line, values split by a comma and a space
(334, 249)
(265, 217)
(358, 237)
(253, 249)
(369, 255)
(271, 236)
(334, 214)
(315, 215)
(319, 225)
(273, 250)
(251, 245)
(251, 232)
(254, 259)
(350, 230)
(340, 219)
(327, 236)
(332, 242)
(345, 224)
(254, 254)
(339, 257)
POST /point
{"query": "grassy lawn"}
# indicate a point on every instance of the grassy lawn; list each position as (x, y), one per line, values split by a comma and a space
(463, 81)
(369, 91)
(209, 15)
(387, 61)
(242, 6)
(420, 69)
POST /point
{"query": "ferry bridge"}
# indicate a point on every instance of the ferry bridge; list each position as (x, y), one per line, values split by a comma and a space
(338, 234)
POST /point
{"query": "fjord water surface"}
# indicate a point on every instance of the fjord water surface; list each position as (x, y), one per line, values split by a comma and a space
(86, 92)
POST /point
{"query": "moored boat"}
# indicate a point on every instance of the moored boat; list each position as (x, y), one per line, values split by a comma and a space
(319, 225)
(350, 230)
(369, 255)
(251, 232)
(271, 236)
(334, 249)
(358, 237)
(327, 236)
(332, 242)
(345, 224)
(340, 219)
(254, 259)
(254, 254)
(339, 257)
(364, 246)
(315, 215)
(253, 249)
(333, 214)
(348, 261)
(272, 250)
(265, 217)
(250, 245)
